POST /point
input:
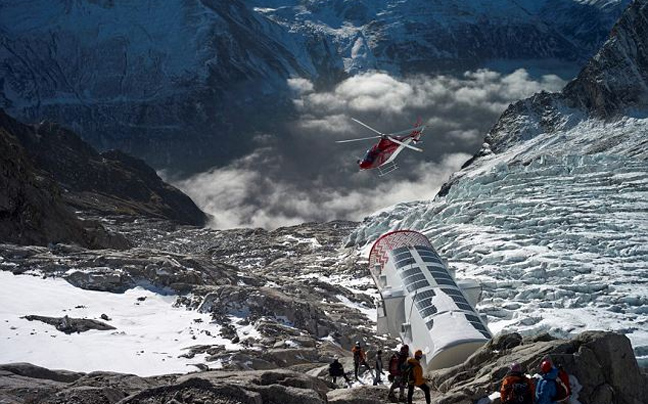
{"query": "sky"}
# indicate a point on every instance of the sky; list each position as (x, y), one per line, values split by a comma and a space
(302, 175)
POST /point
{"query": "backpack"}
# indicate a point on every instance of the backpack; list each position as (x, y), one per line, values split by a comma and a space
(518, 392)
(408, 373)
(394, 368)
(357, 355)
(563, 390)
(336, 369)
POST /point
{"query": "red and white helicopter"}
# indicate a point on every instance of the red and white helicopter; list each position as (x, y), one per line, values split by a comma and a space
(382, 154)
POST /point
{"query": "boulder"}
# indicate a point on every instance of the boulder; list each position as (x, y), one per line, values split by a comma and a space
(71, 325)
(20, 382)
(125, 383)
(268, 302)
(30, 371)
(86, 395)
(603, 363)
(360, 395)
(194, 390)
(254, 387)
(101, 279)
(606, 367)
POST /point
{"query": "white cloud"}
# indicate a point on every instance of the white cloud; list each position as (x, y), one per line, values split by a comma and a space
(301, 85)
(303, 175)
(440, 97)
(241, 196)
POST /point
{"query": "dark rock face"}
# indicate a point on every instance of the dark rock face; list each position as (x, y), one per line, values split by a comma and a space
(617, 77)
(32, 210)
(70, 325)
(111, 182)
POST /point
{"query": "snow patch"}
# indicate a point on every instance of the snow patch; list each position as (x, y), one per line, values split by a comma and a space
(151, 334)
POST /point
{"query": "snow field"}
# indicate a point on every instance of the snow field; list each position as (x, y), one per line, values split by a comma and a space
(151, 334)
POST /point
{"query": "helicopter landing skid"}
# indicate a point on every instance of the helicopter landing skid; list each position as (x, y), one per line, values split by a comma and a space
(387, 168)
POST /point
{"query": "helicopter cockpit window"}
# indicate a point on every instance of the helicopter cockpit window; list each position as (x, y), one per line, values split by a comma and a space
(370, 156)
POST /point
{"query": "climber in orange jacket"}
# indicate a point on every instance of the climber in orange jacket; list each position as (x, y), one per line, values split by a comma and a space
(414, 377)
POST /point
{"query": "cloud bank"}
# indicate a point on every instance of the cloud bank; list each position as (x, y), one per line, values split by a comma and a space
(302, 175)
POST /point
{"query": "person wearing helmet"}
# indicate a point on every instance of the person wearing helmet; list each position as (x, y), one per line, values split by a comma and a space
(516, 387)
(415, 377)
(546, 389)
(359, 358)
(337, 370)
(397, 366)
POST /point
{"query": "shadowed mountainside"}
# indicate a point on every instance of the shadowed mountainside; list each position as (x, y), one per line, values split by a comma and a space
(32, 210)
(111, 182)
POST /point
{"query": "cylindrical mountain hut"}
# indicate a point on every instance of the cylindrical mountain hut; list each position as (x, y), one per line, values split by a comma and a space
(421, 301)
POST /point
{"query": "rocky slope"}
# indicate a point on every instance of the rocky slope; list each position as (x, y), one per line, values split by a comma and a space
(32, 209)
(601, 364)
(265, 292)
(615, 81)
(110, 182)
(269, 310)
(188, 84)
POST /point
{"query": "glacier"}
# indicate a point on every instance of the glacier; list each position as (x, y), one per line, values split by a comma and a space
(556, 232)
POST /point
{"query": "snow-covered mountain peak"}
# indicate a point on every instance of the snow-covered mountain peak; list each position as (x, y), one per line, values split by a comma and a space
(406, 35)
(169, 81)
(612, 85)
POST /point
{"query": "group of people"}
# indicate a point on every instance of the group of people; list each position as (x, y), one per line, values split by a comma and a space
(404, 371)
(550, 388)
(359, 359)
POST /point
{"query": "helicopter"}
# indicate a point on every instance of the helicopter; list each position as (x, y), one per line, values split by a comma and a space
(382, 155)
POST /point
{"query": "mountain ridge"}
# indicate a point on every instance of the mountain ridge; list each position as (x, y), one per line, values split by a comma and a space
(612, 85)
(170, 81)
(32, 210)
(54, 163)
